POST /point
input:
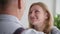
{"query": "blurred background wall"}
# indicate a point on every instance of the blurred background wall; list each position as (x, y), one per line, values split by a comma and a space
(58, 6)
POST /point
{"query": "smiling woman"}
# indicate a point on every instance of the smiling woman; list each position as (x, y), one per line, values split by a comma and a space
(41, 19)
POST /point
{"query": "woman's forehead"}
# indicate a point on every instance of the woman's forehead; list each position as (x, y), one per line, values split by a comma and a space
(36, 7)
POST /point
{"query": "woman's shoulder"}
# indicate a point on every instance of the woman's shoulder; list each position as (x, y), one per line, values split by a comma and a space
(31, 31)
(55, 30)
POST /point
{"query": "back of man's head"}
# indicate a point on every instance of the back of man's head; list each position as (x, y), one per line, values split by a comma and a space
(12, 7)
(3, 4)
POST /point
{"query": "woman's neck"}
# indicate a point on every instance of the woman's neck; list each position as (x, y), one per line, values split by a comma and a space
(39, 28)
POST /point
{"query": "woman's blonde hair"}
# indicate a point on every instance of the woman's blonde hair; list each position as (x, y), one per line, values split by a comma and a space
(50, 19)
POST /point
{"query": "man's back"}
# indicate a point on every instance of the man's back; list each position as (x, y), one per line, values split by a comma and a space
(8, 24)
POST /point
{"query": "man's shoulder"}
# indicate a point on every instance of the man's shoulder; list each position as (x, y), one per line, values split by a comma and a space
(9, 24)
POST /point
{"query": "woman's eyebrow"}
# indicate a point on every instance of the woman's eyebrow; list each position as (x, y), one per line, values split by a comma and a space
(19, 4)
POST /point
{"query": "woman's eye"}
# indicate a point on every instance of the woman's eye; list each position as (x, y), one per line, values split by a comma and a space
(37, 11)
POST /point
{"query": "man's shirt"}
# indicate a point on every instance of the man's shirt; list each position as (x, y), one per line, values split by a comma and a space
(8, 24)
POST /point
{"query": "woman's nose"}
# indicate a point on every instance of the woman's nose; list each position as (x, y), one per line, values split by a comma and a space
(32, 14)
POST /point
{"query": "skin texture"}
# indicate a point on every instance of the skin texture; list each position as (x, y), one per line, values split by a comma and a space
(37, 17)
(13, 8)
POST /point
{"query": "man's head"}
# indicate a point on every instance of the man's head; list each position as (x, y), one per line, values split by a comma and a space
(12, 7)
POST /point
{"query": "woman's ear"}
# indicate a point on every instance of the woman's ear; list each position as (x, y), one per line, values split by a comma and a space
(46, 15)
(19, 4)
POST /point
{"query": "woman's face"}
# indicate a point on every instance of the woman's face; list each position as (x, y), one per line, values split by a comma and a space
(37, 15)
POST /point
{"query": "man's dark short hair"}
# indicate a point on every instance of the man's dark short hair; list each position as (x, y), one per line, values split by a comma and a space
(3, 3)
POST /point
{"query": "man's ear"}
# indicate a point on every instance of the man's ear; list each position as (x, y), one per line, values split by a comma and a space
(19, 4)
